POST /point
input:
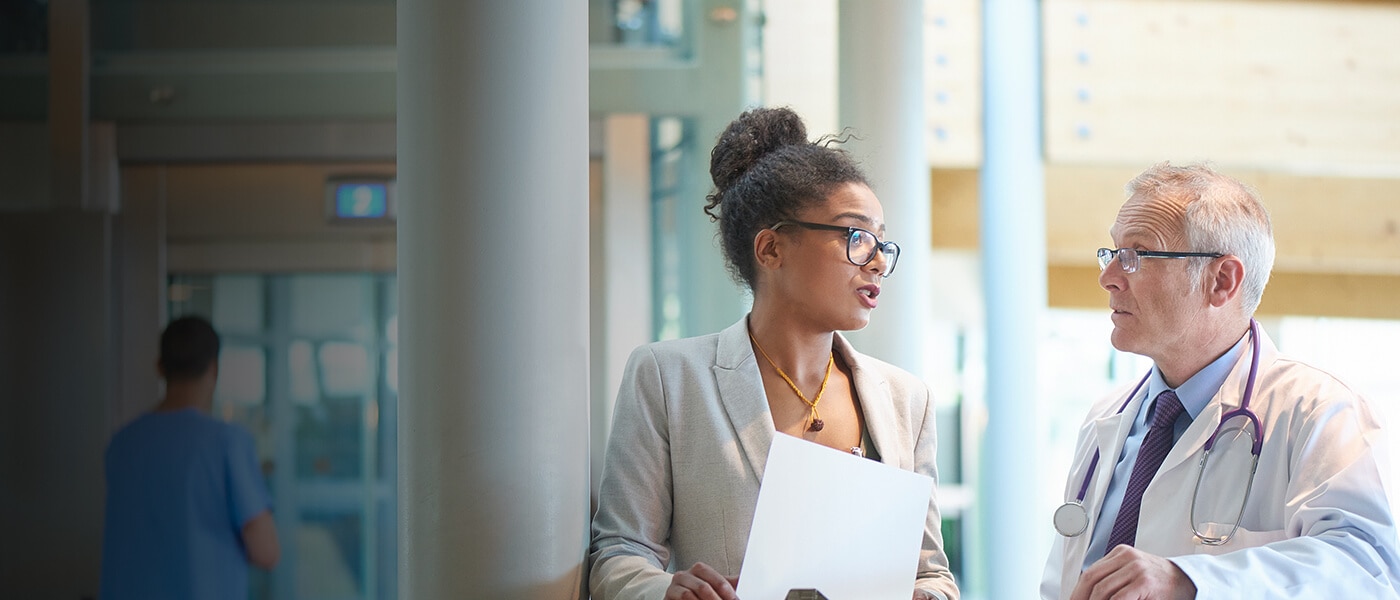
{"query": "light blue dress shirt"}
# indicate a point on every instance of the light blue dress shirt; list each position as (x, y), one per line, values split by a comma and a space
(1194, 394)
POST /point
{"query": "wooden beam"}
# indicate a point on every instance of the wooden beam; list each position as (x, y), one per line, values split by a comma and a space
(954, 194)
(283, 202)
(1279, 84)
(70, 47)
(1338, 237)
(1321, 224)
(1322, 294)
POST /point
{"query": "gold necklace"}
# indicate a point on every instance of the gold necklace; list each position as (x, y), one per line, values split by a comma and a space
(814, 419)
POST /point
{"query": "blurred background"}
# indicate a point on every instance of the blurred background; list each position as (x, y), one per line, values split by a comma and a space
(237, 159)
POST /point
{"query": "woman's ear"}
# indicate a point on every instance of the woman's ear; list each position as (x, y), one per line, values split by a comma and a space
(767, 250)
(1226, 280)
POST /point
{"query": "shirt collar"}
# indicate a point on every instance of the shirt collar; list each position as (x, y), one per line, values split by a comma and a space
(1197, 391)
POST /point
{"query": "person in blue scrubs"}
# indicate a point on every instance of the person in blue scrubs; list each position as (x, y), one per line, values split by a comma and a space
(187, 510)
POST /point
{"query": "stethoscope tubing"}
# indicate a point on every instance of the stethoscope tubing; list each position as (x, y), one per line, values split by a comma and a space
(1094, 464)
(1243, 410)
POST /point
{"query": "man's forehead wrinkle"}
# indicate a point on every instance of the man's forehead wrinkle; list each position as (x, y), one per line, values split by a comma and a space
(1157, 220)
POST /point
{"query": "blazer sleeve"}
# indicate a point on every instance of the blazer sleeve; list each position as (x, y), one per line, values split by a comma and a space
(629, 551)
(934, 575)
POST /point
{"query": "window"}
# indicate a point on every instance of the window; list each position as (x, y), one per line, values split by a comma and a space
(308, 367)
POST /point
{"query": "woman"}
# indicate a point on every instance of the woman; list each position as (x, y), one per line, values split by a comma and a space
(695, 417)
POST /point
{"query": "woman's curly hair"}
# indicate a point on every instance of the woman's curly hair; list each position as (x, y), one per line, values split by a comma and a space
(765, 170)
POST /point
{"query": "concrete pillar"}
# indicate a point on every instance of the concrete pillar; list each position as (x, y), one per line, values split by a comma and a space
(58, 364)
(493, 288)
(621, 273)
(1013, 272)
(140, 234)
(58, 338)
(882, 97)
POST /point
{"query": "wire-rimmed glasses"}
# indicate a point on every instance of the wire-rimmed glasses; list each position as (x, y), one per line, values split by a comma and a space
(1130, 258)
(861, 244)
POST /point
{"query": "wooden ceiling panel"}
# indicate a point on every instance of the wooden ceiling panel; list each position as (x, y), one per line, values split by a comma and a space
(1284, 85)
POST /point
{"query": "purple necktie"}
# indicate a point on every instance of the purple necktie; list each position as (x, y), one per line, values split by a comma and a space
(1154, 449)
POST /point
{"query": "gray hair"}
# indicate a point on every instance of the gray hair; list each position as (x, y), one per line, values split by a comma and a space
(1222, 215)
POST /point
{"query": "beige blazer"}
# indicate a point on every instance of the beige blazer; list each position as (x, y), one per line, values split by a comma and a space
(690, 435)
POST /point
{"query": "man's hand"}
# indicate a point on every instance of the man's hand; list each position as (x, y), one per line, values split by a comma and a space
(701, 582)
(1127, 573)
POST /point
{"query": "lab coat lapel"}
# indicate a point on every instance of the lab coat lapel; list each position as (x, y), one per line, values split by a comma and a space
(1227, 398)
(877, 407)
(741, 393)
(1109, 431)
(1194, 439)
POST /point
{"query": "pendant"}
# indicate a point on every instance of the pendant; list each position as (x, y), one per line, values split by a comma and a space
(817, 425)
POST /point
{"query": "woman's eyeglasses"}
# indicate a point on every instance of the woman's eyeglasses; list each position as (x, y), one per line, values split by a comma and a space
(861, 244)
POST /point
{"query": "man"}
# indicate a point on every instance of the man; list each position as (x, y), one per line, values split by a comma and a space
(187, 508)
(1193, 253)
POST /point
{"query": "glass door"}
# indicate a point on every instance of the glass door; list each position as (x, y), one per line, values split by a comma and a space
(308, 366)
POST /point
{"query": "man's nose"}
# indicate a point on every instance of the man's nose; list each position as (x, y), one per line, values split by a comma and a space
(1111, 276)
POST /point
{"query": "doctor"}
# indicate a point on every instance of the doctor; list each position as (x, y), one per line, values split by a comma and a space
(1143, 518)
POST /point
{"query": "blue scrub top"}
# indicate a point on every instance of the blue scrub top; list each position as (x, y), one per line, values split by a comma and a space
(180, 487)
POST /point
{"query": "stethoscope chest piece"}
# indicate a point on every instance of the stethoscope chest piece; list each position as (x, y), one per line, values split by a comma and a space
(1071, 519)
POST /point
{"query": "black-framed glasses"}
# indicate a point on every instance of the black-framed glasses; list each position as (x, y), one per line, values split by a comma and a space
(1130, 259)
(861, 244)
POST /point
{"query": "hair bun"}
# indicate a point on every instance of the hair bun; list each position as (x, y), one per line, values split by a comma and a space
(749, 138)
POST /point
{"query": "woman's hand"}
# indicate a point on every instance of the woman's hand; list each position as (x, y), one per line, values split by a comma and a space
(924, 595)
(701, 582)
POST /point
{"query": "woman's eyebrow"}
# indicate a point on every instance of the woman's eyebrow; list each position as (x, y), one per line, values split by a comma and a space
(867, 221)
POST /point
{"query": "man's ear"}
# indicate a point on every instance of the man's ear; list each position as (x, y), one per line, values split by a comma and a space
(1226, 281)
(767, 250)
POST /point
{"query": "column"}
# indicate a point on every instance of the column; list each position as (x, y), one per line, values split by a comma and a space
(1013, 272)
(493, 284)
(58, 360)
(882, 98)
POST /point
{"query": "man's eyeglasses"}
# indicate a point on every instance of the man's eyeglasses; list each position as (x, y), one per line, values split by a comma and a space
(861, 244)
(1130, 259)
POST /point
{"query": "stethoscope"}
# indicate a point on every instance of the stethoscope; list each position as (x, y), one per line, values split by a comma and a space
(1072, 519)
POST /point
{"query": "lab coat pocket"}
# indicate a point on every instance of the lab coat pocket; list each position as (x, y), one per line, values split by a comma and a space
(1242, 538)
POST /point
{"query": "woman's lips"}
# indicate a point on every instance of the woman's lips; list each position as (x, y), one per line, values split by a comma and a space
(868, 295)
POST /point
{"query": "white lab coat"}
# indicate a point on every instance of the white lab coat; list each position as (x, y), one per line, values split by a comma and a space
(1318, 521)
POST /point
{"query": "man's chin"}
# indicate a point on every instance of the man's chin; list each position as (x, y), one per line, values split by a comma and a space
(1122, 340)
